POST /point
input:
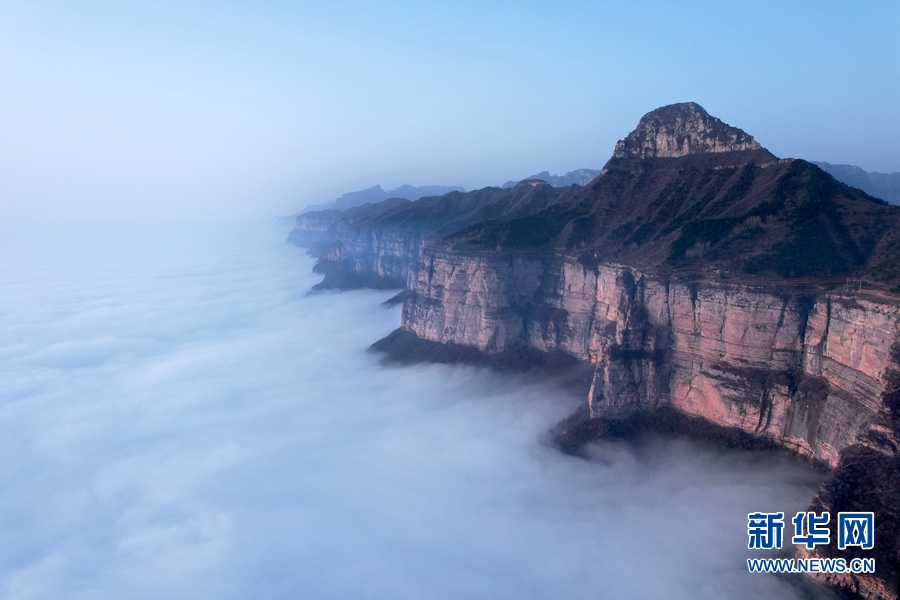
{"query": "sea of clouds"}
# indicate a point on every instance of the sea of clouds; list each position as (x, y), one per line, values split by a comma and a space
(180, 419)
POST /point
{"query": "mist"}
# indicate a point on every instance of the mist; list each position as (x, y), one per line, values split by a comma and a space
(181, 419)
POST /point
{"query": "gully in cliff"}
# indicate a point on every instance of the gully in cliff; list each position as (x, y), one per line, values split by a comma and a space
(700, 282)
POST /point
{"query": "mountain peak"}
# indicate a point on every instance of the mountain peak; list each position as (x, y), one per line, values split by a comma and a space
(682, 129)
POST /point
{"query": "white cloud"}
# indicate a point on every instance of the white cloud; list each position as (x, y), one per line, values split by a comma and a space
(185, 422)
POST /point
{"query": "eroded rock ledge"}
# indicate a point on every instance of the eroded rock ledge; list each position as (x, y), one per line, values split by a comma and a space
(807, 370)
(588, 276)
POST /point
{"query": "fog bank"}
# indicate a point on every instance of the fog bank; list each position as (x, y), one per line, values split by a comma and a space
(180, 419)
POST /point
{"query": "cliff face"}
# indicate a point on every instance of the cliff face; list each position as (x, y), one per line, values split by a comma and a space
(312, 229)
(806, 369)
(675, 277)
(369, 257)
(378, 245)
(634, 275)
(680, 130)
(809, 369)
(353, 252)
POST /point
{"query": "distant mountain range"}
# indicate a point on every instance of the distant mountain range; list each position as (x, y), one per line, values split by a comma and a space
(343, 240)
(885, 186)
(377, 194)
(580, 176)
(880, 185)
(373, 195)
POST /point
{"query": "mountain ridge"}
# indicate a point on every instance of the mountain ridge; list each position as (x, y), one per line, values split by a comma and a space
(717, 200)
(378, 245)
(581, 177)
(376, 194)
(698, 276)
(885, 186)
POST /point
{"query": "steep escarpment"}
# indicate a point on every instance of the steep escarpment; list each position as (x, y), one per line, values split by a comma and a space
(312, 228)
(378, 245)
(806, 367)
(702, 275)
(698, 276)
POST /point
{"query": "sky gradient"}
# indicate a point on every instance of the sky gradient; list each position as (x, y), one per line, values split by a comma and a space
(177, 110)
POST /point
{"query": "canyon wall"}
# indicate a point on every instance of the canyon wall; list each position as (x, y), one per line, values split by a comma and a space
(526, 274)
(353, 253)
(803, 368)
(368, 257)
(378, 245)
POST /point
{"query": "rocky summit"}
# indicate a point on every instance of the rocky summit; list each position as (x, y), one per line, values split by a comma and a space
(700, 280)
(679, 130)
(728, 206)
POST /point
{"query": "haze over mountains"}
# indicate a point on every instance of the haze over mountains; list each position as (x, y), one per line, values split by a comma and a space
(377, 194)
(880, 185)
(885, 186)
(377, 245)
(578, 176)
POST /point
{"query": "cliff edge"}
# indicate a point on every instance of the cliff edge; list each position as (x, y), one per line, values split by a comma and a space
(701, 274)
(698, 276)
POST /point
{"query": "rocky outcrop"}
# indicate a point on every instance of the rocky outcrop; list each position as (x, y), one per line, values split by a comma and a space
(808, 368)
(313, 228)
(371, 257)
(682, 129)
(675, 278)
(378, 245)
(804, 367)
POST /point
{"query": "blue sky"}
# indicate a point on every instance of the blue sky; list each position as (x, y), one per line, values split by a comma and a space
(190, 109)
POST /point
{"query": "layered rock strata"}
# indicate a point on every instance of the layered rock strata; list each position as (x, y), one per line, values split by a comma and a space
(807, 368)
(682, 129)
(653, 277)
(803, 367)
(369, 257)
(378, 245)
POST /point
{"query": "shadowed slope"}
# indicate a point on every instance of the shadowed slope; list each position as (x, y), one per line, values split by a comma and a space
(700, 195)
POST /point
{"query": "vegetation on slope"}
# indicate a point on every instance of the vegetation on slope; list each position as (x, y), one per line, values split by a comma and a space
(738, 212)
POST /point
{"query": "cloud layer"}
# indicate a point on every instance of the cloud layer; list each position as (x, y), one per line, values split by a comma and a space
(179, 419)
